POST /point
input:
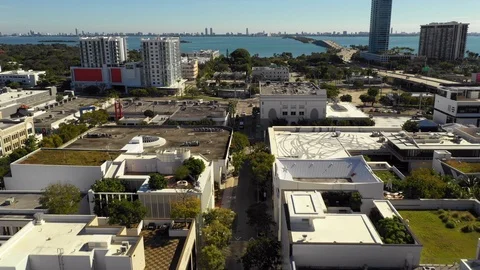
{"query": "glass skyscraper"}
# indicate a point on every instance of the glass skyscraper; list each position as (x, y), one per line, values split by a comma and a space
(380, 26)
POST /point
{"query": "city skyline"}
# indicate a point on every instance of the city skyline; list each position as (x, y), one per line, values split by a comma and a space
(310, 16)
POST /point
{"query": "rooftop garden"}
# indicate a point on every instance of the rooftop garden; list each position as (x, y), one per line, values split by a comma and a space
(389, 177)
(70, 157)
(465, 167)
(446, 236)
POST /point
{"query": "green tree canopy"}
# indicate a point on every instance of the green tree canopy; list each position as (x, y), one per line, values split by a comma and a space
(149, 113)
(410, 126)
(181, 173)
(393, 231)
(261, 163)
(240, 60)
(223, 215)
(61, 199)
(373, 91)
(212, 258)
(157, 181)
(262, 253)
(424, 183)
(346, 98)
(126, 213)
(259, 217)
(239, 142)
(186, 207)
(217, 234)
(94, 118)
(358, 84)
(108, 185)
(195, 166)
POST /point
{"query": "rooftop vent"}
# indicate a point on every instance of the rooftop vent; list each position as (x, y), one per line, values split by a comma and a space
(38, 219)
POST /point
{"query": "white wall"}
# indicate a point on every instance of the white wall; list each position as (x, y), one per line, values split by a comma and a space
(118, 263)
(38, 177)
(427, 204)
(342, 256)
(310, 102)
(76, 262)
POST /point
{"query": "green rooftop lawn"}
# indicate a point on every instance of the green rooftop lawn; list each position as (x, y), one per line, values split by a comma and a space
(70, 157)
(466, 167)
(386, 175)
(440, 244)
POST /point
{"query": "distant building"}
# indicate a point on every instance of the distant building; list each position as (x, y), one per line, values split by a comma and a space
(126, 75)
(457, 104)
(99, 51)
(381, 15)
(272, 73)
(202, 56)
(292, 101)
(190, 69)
(161, 61)
(28, 78)
(12, 99)
(246, 31)
(206, 31)
(14, 134)
(444, 41)
(211, 31)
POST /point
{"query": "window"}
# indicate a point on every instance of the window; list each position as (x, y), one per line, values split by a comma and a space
(284, 113)
(293, 113)
(301, 113)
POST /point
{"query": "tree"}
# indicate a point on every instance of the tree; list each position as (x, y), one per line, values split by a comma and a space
(355, 201)
(126, 213)
(157, 181)
(261, 164)
(61, 199)
(17, 154)
(332, 90)
(240, 60)
(259, 218)
(59, 97)
(346, 98)
(358, 84)
(181, 173)
(238, 159)
(373, 91)
(410, 126)
(262, 253)
(424, 183)
(366, 98)
(186, 207)
(192, 91)
(217, 234)
(14, 85)
(92, 90)
(392, 231)
(195, 166)
(223, 215)
(108, 185)
(95, 118)
(239, 142)
(149, 113)
(31, 144)
(212, 258)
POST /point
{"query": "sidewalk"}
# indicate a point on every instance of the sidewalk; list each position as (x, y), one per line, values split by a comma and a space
(228, 194)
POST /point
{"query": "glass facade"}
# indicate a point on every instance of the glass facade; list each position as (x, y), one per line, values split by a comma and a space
(380, 26)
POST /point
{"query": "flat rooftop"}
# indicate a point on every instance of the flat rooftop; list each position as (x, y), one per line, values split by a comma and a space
(213, 145)
(161, 251)
(138, 107)
(290, 88)
(21, 72)
(15, 94)
(21, 201)
(344, 110)
(433, 82)
(321, 144)
(61, 111)
(428, 141)
(50, 237)
(202, 111)
(69, 157)
(339, 228)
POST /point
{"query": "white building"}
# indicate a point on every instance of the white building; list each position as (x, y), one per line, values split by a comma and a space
(203, 54)
(272, 73)
(162, 61)
(128, 75)
(26, 78)
(96, 52)
(56, 242)
(292, 101)
(314, 236)
(190, 69)
(457, 104)
(14, 134)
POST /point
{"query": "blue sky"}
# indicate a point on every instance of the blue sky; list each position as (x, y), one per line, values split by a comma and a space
(224, 15)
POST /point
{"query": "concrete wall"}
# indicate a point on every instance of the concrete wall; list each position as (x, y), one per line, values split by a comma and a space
(38, 177)
(76, 262)
(427, 204)
(118, 263)
(355, 255)
(138, 256)
(189, 247)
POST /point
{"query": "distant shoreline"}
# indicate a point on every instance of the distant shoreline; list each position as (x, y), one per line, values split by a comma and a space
(57, 41)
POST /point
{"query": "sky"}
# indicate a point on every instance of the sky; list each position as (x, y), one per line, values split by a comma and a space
(159, 16)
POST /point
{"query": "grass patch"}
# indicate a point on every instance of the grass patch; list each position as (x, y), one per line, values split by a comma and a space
(70, 157)
(442, 245)
(466, 167)
(387, 175)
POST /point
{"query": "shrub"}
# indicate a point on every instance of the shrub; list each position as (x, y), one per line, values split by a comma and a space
(450, 224)
(476, 227)
(467, 228)
(478, 218)
(440, 211)
(467, 217)
(456, 215)
(445, 219)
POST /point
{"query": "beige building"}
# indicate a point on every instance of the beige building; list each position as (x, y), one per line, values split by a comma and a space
(190, 69)
(14, 134)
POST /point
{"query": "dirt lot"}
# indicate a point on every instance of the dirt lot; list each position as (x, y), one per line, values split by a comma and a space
(357, 93)
(213, 145)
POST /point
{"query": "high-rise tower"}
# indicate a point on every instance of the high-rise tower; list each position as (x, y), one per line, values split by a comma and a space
(380, 19)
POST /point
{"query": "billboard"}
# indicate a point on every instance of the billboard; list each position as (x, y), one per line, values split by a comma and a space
(88, 75)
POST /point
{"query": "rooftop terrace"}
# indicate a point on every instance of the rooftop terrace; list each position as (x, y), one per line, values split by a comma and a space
(465, 166)
(69, 157)
(161, 251)
(287, 88)
(21, 201)
(213, 145)
(429, 141)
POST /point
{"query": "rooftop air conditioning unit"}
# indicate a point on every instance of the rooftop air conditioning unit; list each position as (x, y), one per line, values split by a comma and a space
(123, 249)
(125, 244)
